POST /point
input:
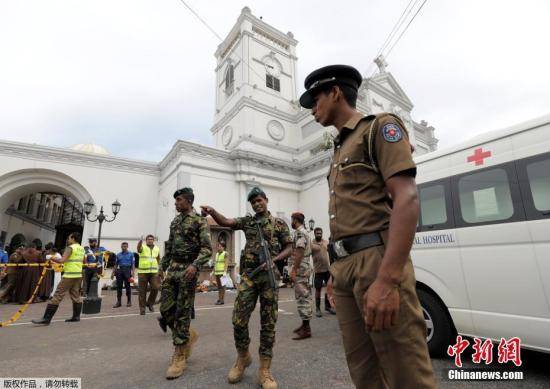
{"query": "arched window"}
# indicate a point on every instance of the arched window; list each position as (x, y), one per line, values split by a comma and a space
(229, 80)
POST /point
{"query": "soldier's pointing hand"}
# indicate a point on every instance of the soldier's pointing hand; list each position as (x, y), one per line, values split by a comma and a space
(207, 209)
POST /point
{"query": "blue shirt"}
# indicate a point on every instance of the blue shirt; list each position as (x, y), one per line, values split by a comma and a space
(125, 258)
(3, 256)
(95, 256)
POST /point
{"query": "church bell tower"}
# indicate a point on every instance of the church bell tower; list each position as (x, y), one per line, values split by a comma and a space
(255, 86)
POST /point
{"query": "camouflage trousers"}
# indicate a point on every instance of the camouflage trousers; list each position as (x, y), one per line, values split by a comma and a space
(248, 293)
(302, 291)
(177, 298)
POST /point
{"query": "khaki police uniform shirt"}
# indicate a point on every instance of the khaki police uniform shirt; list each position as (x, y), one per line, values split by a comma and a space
(358, 200)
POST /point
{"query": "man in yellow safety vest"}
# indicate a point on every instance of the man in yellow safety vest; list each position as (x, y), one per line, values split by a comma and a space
(73, 258)
(149, 258)
(220, 269)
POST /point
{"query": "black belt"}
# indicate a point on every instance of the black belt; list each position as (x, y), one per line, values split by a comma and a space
(347, 246)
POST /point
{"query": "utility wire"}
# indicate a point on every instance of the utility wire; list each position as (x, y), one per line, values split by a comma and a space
(414, 16)
(387, 42)
(219, 37)
(394, 30)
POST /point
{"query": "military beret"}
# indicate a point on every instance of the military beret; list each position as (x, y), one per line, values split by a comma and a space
(256, 191)
(182, 191)
(328, 76)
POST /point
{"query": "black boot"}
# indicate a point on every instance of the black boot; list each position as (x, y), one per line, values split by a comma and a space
(77, 307)
(48, 314)
(162, 323)
(118, 300)
(129, 302)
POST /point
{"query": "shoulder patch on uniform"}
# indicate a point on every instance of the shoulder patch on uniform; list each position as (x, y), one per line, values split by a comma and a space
(392, 133)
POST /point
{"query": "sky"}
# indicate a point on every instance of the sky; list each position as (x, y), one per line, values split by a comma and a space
(137, 75)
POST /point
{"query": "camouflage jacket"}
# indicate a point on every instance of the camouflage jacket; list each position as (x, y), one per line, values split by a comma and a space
(302, 241)
(189, 240)
(276, 234)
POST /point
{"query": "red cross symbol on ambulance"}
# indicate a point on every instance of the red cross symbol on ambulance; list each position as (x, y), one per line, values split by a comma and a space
(479, 156)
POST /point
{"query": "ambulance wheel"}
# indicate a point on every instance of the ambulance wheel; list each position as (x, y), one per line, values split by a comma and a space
(439, 327)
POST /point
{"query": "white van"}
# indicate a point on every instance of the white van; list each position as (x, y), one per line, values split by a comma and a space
(482, 248)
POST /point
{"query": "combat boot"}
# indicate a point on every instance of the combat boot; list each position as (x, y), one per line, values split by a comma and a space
(193, 337)
(48, 314)
(297, 330)
(265, 378)
(77, 307)
(178, 364)
(304, 333)
(163, 324)
(236, 373)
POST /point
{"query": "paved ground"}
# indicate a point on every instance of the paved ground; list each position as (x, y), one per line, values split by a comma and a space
(118, 347)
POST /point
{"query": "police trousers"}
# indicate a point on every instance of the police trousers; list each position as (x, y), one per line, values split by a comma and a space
(71, 285)
(394, 358)
(153, 280)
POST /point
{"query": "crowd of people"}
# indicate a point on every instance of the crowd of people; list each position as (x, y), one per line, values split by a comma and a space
(19, 282)
(27, 261)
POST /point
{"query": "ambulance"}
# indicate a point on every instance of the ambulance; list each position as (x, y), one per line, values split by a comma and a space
(482, 248)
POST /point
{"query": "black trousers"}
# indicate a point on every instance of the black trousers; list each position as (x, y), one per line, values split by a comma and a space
(123, 275)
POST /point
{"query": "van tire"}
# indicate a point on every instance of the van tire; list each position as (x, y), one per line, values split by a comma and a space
(442, 328)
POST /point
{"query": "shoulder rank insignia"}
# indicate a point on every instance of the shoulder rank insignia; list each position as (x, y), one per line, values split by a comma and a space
(392, 133)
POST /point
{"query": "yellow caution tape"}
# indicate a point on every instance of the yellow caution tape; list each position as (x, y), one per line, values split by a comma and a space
(21, 310)
(42, 264)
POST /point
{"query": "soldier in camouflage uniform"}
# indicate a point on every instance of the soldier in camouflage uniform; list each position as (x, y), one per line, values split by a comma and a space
(187, 249)
(300, 275)
(277, 236)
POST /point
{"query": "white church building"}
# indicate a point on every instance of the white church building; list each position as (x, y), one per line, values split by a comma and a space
(261, 134)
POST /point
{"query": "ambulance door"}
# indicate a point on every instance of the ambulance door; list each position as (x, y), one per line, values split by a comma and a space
(500, 267)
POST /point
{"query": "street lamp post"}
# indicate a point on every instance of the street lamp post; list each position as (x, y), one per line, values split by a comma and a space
(92, 302)
(88, 205)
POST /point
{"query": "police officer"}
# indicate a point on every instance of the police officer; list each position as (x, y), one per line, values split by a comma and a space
(188, 248)
(94, 258)
(300, 275)
(123, 270)
(73, 258)
(373, 208)
(277, 236)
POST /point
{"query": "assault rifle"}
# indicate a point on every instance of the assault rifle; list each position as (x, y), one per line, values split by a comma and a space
(266, 263)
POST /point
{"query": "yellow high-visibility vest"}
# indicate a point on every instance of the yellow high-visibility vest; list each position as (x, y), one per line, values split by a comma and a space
(73, 266)
(148, 259)
(219, 266)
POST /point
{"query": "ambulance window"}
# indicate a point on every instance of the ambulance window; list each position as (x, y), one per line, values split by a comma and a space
(485, 196)
(539, 182)
(432, 205)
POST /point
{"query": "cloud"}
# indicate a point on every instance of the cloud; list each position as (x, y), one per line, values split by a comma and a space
(128, 72)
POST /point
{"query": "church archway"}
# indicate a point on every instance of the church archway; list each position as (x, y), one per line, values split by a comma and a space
(26, 182)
